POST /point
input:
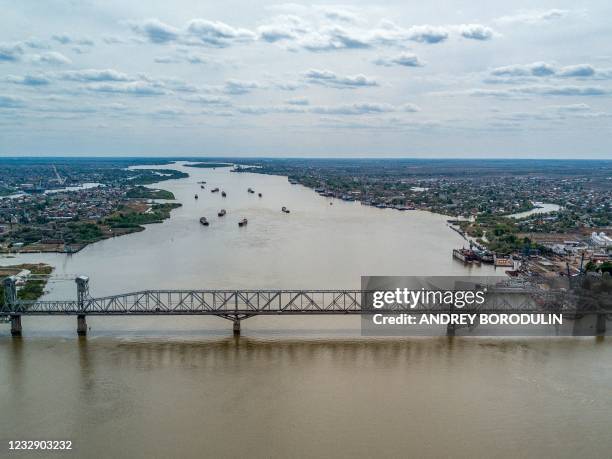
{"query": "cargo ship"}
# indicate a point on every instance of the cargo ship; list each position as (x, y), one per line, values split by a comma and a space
(204, 221)
(465, 255)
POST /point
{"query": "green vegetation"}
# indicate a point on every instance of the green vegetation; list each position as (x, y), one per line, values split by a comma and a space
(498, 234)
(82, 233)
(127, 219)
(148, 176)
(149, 193)
(33, 289)
(208, 165)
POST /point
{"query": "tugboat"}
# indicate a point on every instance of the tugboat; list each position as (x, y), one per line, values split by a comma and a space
(259, 194)
(196, 196)
(243, 222)
(223, 193)
(214, 190)
(221, 213)
(203, 221)
(250, 190)
(284, 209)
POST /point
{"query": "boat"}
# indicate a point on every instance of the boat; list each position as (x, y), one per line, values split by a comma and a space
(204, 221)
(214, 190)
(250, 190)
(243, 222)
(196, 196)
(223, 193)
(259, 194)
(284, 209)
(221, 213)
(202, 186)
(466, 256)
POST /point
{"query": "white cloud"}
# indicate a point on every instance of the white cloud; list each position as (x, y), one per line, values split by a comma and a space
(475, 32)
(533, 16)
(50, 58)
(328, 78)
(403, 59)
(10, 52)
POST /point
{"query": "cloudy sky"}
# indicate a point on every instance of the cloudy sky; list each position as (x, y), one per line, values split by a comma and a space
(427, 79)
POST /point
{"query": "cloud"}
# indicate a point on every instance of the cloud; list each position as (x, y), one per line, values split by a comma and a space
(581, 70)
(328, 78)
(404, 59)
(206, 99)
(196, 32)
(135, 88)
(50, 58)
(544, 69)
(10, 101)
(216, 33)
(475, 32)
(29, 80)
(94, 75)
(571, 107)
(427, 34)
(237, 87)
(298, 101)
(70, 40)
(533, 16)
(354, 109)
(282, 27)
(10, 52)
(155, 30)
(540, 90)
(333, 38)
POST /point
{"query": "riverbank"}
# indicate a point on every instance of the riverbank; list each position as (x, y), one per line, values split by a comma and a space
(28, 289)
(129, 218)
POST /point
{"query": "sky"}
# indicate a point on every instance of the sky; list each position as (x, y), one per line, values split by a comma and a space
(480, 79)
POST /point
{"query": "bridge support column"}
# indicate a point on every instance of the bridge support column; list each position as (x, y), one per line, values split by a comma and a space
(600, 325)
(237, 327)
(81, 325)
(16, 325)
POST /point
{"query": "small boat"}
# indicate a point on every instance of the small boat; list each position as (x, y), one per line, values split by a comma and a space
(250, 190)
(221, 213)
(284, 209)
(243, 222)
(214, 190)
(196, 196)
(202, 182)
(202, 186)
(204, 221)
(259, 194)
(223, 193)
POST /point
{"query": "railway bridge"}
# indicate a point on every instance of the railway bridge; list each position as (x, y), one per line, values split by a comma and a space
(237, 305)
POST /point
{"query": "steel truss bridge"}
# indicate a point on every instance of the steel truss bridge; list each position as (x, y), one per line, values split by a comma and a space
(237, 305)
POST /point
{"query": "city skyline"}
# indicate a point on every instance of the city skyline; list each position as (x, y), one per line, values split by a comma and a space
(370, 79)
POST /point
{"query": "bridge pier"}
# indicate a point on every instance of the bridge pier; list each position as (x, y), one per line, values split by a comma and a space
(16, 325)
(81, 325)
(236, 327)
(600, 325)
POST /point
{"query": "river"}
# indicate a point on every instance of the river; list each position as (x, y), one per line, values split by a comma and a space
(296, 386)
